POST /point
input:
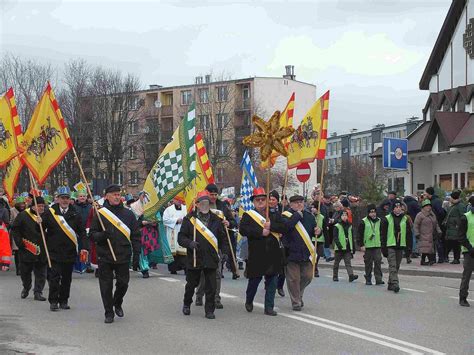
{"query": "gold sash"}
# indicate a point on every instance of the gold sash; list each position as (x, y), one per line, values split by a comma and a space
(116, 222)
(305, 236)
(260, 220)
(66, 228)
(205, 232)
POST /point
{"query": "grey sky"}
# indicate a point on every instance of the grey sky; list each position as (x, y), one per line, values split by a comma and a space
(370, 54)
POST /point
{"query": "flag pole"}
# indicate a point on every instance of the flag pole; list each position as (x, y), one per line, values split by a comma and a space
(267, 211)
(284, 184)
(33, 186)
(94, 204)
(323, 168)
(231, 249)
(195, 222)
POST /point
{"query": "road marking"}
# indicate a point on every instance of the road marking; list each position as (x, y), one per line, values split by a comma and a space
(226, 295)
(413, 290)
(169, 279)
(371, 336)
(154, 273)
(456, 298)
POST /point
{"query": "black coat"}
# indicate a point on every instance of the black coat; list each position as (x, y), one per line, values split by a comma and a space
(25, 228)
(120, 244)
(60, 247)
(396, 221)
(413, 207)
(296, 249)
(221, 206)
(206, 255)
(265, 255)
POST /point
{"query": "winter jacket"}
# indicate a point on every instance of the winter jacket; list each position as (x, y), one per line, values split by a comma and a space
(426, 230)
(346, 226)
(120, 244)
(26, 232)
(438, 209)
(413, 207)
(83, 209)
(221, 206)
(453, 219)
(296, 249)
(384, 232)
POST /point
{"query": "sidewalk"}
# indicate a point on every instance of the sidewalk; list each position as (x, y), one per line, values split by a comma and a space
(414, 269)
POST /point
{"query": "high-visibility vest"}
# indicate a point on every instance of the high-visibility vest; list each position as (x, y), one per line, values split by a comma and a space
(391, 239)
(470, 230)
(341, 236)
(319, 222)
(371, 233)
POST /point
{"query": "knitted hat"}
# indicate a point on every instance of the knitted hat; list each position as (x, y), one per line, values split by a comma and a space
(371, 207)
(456, 194)
(212, 188)
(275, 194)
(426, 203)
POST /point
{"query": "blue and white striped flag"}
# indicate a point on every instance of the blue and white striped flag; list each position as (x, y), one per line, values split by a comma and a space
(249, 182)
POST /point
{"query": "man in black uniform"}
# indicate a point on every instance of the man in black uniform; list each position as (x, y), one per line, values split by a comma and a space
(27, 235)
(64, 232)
(122, 230)
(202, 233)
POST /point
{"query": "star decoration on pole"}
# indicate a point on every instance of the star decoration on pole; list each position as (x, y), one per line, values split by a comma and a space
(269, 136)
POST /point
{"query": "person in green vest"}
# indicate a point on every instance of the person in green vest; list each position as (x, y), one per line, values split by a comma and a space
(369, 241)
(395, 237)
(466, 238)
(321, 239)
(344, 247)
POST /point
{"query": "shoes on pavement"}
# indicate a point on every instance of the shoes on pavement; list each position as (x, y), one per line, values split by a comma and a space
(53, 307)
(219, 305)
(390, 287)
(302, 304)
(368, 280)
(330, 259)
(316, 273)
(281, 292)
(424, 263)
(186, 310)
(198, 301)
(64, 306)
(335, 278)
(414, 256)
(381, 282)
(463, 302)
(408, 261)
(39, 297)
(24, 293)
(89, 270)
(440, 261)
(145, 274)
(173, 272)
(249, 307)
(297, 308)
(431, 263)
(235, 276)
(353, 277)
(455, 261)
(210, 315)
(396, 289)
(119, 311)
(270, 312)
(109, 319)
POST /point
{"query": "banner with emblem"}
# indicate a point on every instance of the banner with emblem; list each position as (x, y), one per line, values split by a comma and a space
(11, 135)
(46, 140)
(11, 176)
(175, 168)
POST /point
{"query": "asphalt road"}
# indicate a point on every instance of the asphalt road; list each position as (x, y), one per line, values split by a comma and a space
(338, 318)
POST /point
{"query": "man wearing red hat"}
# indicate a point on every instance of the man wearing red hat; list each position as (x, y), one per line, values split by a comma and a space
(202, 233)
(265, 257)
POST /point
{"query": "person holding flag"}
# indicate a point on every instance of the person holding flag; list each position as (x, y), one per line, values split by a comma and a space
(123, 232)
(203, 235)
(64, 230)
(172, 219)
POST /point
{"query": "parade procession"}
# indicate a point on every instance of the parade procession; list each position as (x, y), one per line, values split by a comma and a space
(214, 217)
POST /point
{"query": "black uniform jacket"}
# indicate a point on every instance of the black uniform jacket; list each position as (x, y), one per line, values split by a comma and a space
(24, 230)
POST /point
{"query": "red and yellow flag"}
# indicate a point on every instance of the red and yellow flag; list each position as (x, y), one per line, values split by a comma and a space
(10, 128)
(286, 120)
(309, 140)
(11, 175)
(204, 175)
(46, 140)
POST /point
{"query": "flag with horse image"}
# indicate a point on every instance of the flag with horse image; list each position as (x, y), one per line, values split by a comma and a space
(11, 134)
(46, 140)
(309, 141)
(11, 175)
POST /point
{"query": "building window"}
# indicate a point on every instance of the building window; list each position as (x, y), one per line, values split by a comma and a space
(222, 120)
(167, 100)
(463, 181)
(338, 148)
(204, 122)
(220, 175)
(470, 180)
(132, 152)
(222, 93)
(203, 95)
(134, 178)
(358, 144)
(456, 186)
(186, 97)
(446, 182)
(119, 178)
(223, 147)
(329, 149)
(133, 127)
(133, 103)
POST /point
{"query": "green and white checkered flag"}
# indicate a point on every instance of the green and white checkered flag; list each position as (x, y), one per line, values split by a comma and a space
(175, 167)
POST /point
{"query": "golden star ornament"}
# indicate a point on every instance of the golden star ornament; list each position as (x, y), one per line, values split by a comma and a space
(269, 136)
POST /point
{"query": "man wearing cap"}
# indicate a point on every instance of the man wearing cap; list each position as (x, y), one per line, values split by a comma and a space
(265, 255)
(64, 233)
(451, 225)
(27, 235)
(370, 243)
(123, 233)
(466, 238)
(84, 208)
(301, 229)
(396, 237)
(202, 233)
(172, 219)
(276, 207)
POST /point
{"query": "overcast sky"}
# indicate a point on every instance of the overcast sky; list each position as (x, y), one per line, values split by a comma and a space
(369, 53)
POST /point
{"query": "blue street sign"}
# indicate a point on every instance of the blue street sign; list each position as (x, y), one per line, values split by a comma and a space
(395, 153)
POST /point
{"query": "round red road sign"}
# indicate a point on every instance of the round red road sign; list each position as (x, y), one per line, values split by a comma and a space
(303, 172)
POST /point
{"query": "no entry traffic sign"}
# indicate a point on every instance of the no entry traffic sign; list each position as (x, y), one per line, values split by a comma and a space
(303, 172)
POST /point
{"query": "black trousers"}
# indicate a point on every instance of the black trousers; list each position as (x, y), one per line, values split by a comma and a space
(455, 246)
(210, 285)
(106, 284)
(319, 252)
(39, 269)
(59, 279)
(466, 275)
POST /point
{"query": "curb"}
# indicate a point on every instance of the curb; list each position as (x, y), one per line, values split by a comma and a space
(431, 273)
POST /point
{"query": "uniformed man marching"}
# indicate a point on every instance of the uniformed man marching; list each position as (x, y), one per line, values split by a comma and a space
(64, 232)
(396, 237)
(466, 238)
(122, 230)
(370, 243)
(265, 257)
(202, 233)
(344, 247)
(322, 238)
